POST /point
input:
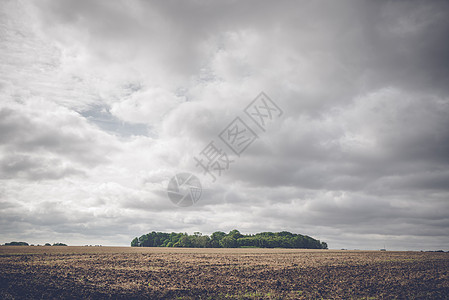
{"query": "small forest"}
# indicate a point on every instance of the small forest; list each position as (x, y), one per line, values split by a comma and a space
(233, 239)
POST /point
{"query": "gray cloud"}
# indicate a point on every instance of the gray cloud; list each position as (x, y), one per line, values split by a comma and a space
(32, 130)
(34, 168)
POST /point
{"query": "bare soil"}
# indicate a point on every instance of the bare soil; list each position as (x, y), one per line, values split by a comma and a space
(41, 272)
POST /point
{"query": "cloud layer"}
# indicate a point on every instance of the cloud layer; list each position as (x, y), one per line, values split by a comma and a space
(102, 103)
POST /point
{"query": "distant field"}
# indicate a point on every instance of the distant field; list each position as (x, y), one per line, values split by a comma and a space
(183, 273)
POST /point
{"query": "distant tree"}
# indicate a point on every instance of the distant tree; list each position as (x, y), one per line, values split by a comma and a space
(135, 242)
(215, 239)
(174, 238)
(235, 234)
(247, 242)
(200, 241)
(285, 234)
(185, 241)
(228, 242)
(47, 244)
(17, 244)
(59, 244)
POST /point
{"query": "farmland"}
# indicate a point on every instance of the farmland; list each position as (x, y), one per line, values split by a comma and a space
(184, 273)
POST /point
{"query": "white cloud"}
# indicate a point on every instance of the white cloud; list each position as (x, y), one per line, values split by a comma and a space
(149, 106)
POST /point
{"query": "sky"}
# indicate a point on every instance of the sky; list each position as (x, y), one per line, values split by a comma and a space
(102, 103)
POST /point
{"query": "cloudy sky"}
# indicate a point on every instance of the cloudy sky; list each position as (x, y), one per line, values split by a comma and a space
(103, 102)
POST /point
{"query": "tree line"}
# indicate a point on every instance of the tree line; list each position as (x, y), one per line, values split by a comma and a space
(233, 239)
(26, 244)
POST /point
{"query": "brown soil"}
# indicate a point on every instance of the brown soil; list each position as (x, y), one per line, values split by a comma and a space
(135, 273)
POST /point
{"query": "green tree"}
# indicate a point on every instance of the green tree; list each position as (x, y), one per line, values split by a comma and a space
(215, 239)
(235, 234)
(185, 241)
(135, 242)
(17, 244)
(228, 242)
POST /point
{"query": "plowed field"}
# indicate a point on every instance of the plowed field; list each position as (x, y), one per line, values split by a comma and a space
(178, 273)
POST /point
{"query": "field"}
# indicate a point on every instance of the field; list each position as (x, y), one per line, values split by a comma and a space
(180, 273)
